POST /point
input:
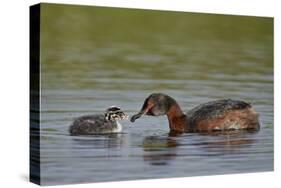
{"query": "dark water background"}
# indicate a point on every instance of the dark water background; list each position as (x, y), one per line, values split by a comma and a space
(93, 58)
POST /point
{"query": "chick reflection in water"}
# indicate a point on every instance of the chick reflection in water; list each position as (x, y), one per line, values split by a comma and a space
(159, 150)
(100, 141)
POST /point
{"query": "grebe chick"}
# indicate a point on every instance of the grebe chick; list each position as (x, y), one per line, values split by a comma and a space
(220, 115)
(99, 123)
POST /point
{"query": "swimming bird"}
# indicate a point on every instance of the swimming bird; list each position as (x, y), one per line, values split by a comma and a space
(99, 123)
(219, 115)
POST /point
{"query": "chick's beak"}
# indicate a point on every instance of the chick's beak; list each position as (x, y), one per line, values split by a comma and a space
(125, 116)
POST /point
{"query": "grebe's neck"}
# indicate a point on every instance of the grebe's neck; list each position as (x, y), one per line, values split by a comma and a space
(177, 119)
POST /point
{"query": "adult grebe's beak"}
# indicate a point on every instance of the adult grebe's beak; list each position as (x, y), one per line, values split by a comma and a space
(136, 116)
(145, 108)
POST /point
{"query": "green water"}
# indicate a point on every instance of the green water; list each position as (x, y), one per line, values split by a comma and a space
(94, 57)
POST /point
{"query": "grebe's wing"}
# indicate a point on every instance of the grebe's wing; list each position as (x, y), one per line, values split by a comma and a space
(214, 109)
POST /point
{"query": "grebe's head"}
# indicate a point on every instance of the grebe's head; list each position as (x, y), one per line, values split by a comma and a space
(156, 104)
(114, 113)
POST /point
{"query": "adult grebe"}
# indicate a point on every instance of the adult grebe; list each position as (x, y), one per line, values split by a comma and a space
(99, 123)
(220, 115)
